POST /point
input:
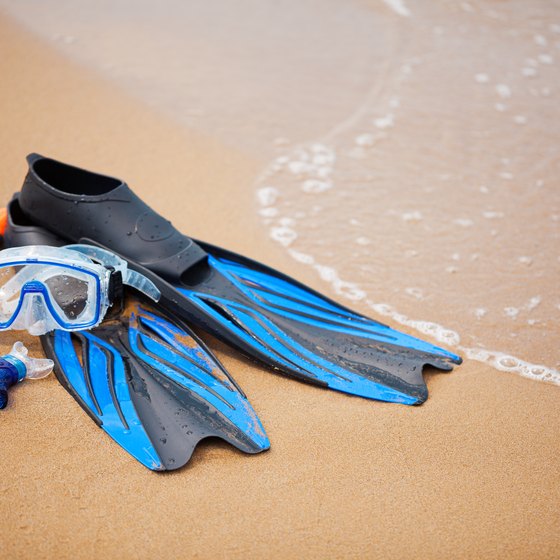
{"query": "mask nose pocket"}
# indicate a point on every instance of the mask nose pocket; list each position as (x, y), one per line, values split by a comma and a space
(33, 315)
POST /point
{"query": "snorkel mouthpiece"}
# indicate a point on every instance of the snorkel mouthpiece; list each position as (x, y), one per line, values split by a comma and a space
(16, 366)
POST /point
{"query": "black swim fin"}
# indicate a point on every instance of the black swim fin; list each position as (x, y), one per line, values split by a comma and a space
(146, 379)
(256, 309)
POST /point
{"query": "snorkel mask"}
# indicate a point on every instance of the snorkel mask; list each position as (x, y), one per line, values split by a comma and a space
(45, 288)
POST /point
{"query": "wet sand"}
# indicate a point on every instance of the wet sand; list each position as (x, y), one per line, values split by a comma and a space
(471, 473)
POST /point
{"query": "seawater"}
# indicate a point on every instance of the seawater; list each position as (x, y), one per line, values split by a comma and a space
(410, 150)
(437, 198)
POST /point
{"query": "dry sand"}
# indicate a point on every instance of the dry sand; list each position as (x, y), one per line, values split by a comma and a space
(471, 473)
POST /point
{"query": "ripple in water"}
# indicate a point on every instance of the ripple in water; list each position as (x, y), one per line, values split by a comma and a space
(438, 194)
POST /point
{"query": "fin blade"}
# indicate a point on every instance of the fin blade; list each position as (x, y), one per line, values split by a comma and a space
(154, 389)
(99, 385)
(312, 337)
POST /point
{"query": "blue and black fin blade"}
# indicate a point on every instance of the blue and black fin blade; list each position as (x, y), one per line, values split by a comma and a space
(283, 322)
(153, 387)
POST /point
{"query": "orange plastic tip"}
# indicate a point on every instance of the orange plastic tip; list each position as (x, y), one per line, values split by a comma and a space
(3, 220)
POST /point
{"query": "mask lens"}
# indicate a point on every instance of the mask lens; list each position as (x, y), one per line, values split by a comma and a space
(9, 291)
(69, 293)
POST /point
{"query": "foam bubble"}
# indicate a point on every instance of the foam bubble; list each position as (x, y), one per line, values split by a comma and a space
(492, 215)
(382, 308)
(298, 167)
(540, 40)
(319, 148)
(269, 212)
(287, 222)
(534, 302)
(385, 122)
(364, 140)
(399, 7)
(322, 159)
(347, 289)
(414, 216)
(363, 241)
(283, 235)
(508, 362)
(314, 186)
(323, 172)
(528, 71)
(267, 196)
(301, 257)
(503, 90)
(438, 332)
(463, 222)
(415, 292)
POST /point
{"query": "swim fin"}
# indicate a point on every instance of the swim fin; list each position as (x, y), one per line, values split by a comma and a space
(146, 379)
(263, 313)
(152, 387)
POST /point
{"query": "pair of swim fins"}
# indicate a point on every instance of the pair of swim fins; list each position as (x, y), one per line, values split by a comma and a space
(261, 312)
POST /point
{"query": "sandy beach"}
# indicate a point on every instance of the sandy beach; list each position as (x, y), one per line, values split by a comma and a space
(471, 473)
